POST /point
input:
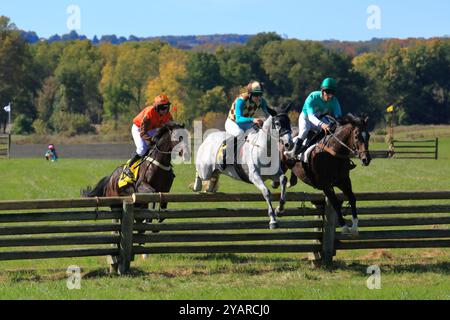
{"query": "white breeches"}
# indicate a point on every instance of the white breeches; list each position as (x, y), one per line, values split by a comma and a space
(141, 144)
(304, 125)
(236, 130)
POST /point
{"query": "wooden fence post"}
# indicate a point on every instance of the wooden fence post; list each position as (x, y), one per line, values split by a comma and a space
(329, 234)
(9, 146)
(436, 149)
(113, 261)
(126, 237)
(315, 257)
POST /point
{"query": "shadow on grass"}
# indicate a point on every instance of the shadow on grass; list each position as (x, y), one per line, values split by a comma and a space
(23, 275)
(240, 258)
(392, 268)
(104, 273)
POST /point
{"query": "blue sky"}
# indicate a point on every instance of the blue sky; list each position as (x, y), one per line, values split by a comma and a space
(315, 20)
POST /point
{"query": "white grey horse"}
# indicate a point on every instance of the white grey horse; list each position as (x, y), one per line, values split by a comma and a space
(253, 157)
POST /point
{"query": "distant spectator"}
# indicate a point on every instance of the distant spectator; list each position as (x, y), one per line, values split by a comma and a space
(51, 153)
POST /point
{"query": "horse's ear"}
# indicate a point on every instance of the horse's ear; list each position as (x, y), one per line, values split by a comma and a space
(287, 106)
(272, 112)
(366, 120)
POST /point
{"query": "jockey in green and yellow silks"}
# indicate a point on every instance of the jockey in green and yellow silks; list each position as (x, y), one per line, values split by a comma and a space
(241, 115)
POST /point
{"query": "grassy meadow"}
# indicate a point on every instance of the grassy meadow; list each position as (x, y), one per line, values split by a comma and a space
(406, 273)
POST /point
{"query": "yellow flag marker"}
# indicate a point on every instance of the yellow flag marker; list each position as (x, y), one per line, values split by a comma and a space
(390, 109)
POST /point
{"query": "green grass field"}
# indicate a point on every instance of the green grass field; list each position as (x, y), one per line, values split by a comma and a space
(406, 273)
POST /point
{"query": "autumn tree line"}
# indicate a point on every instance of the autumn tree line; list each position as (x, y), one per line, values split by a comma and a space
(68, 87)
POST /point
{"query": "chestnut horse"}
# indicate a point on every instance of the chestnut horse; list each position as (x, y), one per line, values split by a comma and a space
(329, 164)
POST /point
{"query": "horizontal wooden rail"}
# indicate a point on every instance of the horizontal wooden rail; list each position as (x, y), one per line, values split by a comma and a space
(414, 147)
(387, 222)
(222, 197)
(59, 241)
(220, 237)
(393, 244)
(216, 197)
(220, 213)
(237, 225)
(255, 248)
(23, 230)
(291, 197)
(73, 253)
(396, 234)
(413, 141)
(420, 209)
(58, 216)
(63, 203)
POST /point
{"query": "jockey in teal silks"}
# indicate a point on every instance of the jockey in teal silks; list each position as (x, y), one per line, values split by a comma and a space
(241, 116)
(318, 104)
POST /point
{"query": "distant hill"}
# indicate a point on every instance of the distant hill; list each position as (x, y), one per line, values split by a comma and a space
(209, 42)
(185, 42)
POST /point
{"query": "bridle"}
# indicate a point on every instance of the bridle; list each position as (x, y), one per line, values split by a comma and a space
(353, 150)
(156, 162)
(268, 132)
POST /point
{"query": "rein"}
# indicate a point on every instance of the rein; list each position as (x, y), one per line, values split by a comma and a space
(334, 153)
(156, 162)
(343, 144)
(268, 132)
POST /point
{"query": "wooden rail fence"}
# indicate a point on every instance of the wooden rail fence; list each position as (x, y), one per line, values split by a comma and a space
(120, 227)
(416, 149)
(410, 149)
(5, 145)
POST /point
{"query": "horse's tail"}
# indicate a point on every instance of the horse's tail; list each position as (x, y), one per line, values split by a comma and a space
(97, 191)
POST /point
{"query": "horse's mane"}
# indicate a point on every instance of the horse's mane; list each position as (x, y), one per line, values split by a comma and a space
(160, 132)
(350, 119)
(165, 129)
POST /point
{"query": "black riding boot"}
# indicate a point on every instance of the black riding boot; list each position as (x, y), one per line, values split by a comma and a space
(231, 141)
(296, 150)
(130, 163)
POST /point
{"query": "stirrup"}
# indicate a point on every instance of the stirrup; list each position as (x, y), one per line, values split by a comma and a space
(127, 171)
(221, 159)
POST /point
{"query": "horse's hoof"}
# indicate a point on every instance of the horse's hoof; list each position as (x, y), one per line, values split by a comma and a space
(354, 232)
(279, 212)
(273, 225)
(275, 185)
(144, 256)
(345, 230)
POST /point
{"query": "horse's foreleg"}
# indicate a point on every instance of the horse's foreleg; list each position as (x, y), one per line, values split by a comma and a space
(213, 183)
(255, 178)
(283, 182)
(162, 208)
(337, 207)
(346, 187)
(198, 183)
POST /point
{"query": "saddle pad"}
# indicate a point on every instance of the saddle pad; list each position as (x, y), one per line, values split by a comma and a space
(305, 155)
(125, 180)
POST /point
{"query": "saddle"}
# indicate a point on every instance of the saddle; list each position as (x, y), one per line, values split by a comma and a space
(125, 180)
(237, 166)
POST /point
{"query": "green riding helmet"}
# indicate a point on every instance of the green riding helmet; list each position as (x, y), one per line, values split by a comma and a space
(328, 83)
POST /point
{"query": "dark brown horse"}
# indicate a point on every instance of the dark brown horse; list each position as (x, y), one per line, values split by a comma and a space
(329, 164)
(155, 172)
